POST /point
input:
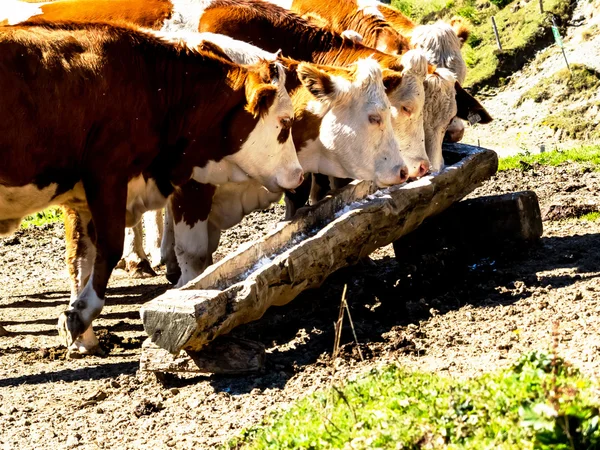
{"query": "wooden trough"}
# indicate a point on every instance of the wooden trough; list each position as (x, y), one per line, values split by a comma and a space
(298, 255)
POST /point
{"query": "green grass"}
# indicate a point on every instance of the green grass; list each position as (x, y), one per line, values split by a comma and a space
(50, 215)
(539, 403)
(582, 83)
(591, 217)
(518, 30)
(589, 155)
(574, 122)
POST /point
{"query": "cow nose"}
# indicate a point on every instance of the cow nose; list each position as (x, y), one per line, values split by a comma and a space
(423, 168)
(301, 178)
(454, 135)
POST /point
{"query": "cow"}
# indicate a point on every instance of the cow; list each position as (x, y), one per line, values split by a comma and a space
(270, 28)
(108, 120)
(161, 14)
(358, 151)
(442, 43)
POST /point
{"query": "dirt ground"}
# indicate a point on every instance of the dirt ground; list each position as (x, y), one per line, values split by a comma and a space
(441, 310)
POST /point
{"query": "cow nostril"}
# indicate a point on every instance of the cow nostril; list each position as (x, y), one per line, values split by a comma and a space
(423, 168)
(403, 174)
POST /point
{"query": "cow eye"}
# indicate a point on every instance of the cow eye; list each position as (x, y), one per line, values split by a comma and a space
(286, 122)
(375, 119)
(406, 110)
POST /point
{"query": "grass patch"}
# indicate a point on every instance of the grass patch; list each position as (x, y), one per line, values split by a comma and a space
(575, 123)
(539, 403)
(50, 215)
(589, 155)
(583, 83)
(591, 217)
(519, 30)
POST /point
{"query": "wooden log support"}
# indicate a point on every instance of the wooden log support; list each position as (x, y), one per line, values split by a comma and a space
(225, 356)
(482, 224)
(302, 253)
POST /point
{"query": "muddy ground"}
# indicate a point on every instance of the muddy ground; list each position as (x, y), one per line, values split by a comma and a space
(444, 310)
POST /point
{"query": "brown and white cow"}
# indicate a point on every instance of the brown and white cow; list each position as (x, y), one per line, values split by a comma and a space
(270, 28)
(387, 29)
(107, 120)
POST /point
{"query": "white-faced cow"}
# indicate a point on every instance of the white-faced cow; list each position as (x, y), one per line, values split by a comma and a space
(108, 120)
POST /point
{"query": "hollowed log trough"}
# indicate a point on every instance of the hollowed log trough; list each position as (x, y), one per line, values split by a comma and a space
(298, 255)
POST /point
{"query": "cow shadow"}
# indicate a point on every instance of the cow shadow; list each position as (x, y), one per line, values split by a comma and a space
(389, 293)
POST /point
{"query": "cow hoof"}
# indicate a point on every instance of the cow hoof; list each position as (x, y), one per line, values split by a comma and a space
(70, 327)
(141, 269)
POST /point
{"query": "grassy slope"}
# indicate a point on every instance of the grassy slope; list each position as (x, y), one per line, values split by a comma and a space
(49, 215)
(539, 403)
(518, 30)
(554, 158)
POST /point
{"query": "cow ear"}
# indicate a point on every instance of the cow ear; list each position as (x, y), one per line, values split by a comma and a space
(260, 99)
(468, 108)
(391, 80)
(319, 83)
(461, 30)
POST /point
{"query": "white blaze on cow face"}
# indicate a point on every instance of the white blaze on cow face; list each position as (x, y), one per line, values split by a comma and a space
(407, 102)
(356, 137)
(13, 12)
(440, 109)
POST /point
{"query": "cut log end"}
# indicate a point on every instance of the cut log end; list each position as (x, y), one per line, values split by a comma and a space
(483, 223)
(224, 356)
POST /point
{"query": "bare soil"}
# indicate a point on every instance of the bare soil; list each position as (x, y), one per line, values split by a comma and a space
(440, 309)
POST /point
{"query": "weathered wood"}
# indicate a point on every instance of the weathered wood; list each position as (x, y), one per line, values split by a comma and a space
(225, 356)
(302, 253)
(480, 224)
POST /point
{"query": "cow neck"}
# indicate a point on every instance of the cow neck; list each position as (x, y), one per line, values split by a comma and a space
(371, 28)
(198, 94)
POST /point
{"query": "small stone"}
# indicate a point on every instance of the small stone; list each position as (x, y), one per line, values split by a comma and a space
(115, 384)
(73, 440)
(578, 296)
(174, 391)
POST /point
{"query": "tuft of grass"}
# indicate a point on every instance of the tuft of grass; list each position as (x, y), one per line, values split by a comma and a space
(583, 82)
(541, 402)
(591, 217)
(575, 123)
(590, 155)
(50, 215)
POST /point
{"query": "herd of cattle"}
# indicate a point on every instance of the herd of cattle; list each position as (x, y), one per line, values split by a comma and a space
(214, 109)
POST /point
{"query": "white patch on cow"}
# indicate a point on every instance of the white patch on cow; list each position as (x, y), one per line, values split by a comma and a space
(17, 202)
(191, 249)
(220, 172)
(142, 195)
(153, 225)
(370, 7)
(185, 15)
(442, 47)
(353, 36)
(84, 264)
(133, 246)
(233, 201)
(440, 109)
(14, 11)
(167, 246)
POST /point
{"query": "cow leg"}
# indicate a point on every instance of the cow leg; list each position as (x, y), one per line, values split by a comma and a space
(81, 253)
(191, 249)
(107, 204)
(153, 223)
(134, 259)
(167, 247)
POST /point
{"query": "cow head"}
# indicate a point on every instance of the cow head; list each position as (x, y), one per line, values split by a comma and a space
(446, 103)
(442, 46)
(356, 136)
(262, 131)
(407, 97)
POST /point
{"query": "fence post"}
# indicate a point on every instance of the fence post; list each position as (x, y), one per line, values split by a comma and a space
(496, 33)
(542, 6)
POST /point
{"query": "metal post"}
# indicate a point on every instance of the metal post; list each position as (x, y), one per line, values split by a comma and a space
(496, 33)
(559, 42)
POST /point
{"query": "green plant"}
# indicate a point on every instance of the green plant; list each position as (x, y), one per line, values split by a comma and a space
(588, 155)
(50, 215)
(541, 402)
